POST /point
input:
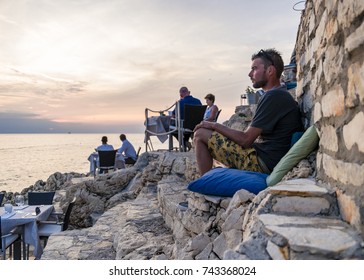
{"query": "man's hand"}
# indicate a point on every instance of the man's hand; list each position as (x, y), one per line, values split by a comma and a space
(205, 124)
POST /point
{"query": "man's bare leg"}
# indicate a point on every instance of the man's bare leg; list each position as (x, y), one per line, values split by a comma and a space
(203, 157)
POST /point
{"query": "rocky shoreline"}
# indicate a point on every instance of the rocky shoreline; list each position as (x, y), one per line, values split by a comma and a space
(135, 214)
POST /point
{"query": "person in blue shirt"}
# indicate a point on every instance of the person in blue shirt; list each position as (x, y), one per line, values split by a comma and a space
(185, 98)
(126, 152)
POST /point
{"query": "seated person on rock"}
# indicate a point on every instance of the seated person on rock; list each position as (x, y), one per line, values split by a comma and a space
(126, 154)
(260, 147)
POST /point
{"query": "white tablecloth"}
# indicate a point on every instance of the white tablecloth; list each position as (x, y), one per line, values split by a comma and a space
(159, 124)
(93, 159)
(25, 220)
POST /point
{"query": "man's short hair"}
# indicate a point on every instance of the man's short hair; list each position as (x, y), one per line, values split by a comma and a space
(122, 137)
(210, 97)
(271, 57)
(104, 139)
(184, 90)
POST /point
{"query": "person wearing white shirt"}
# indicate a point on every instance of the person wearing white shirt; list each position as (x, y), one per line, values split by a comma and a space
(126, 152)
(94, 157)
(104, 146)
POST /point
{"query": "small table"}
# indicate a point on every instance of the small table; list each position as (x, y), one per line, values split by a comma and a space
(93, 159)
(157, 126)
(24, 219)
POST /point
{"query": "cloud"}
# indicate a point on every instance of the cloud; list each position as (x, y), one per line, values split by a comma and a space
(32, 123)
(14, 80)
(27, 91)
(104, 62)
(5, 19)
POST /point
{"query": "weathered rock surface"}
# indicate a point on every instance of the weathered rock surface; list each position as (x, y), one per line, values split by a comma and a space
(135, 214)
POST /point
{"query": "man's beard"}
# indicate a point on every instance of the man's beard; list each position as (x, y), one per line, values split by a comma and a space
(259, 84)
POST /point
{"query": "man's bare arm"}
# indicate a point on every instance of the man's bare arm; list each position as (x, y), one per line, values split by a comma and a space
(244, 139)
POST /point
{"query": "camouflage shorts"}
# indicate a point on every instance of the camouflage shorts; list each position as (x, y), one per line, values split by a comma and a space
(231, 154)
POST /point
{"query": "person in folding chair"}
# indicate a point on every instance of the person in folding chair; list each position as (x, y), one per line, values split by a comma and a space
(185, 98)
(261, 146)
(126, 154)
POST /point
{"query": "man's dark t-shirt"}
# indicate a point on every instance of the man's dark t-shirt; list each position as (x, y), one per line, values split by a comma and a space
(278, 115)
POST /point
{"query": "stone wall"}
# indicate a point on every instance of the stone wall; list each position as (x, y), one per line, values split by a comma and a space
(330, 87)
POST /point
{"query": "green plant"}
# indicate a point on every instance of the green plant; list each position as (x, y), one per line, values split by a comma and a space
(249, 89)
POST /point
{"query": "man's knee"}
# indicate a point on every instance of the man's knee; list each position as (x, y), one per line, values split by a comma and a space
(202, 135)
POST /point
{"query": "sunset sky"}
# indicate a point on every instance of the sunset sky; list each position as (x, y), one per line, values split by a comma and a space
(94, 66)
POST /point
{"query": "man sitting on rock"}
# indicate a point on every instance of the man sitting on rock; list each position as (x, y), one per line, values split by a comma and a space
(260, 147)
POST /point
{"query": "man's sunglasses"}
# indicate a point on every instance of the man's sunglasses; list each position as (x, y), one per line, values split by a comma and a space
(266, 55)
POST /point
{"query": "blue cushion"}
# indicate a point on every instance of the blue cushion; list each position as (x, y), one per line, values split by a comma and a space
(226, 182)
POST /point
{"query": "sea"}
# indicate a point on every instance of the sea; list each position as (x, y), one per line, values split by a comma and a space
(27, 158)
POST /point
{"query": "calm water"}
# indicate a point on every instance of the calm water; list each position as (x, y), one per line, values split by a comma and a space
(26, 158)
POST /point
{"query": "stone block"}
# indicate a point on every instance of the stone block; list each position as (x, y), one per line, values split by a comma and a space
(320, 31)
(233, 255)
(220, 246)
(344, 172)
(235, 219)
(353, 132)
(277, 252)
(349, 211)
(347, 11)
(311, 234)
(331, 27)
(198, 243)
(329, 139)
(204, 255)
(301, 205)
(332, 103)
(240, 198)
(334, 56)
(317, 114)
(355, 39)
(355, 92)
(214, 199)
(233, 238)
(298, 187)
(315, 86)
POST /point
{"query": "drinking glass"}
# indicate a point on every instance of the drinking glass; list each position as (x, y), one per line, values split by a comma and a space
(8, 208)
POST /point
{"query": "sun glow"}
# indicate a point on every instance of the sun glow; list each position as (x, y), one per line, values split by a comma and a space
(95, 62)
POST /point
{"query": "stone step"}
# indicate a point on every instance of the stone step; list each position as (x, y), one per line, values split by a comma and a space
(134, 230)
(144, 234)
(297, 237)
(302, 197)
